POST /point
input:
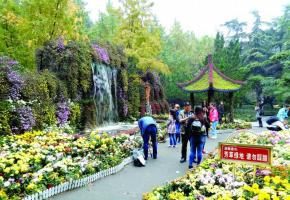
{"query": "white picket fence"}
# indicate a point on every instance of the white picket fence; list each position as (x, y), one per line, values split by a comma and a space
(78, 183)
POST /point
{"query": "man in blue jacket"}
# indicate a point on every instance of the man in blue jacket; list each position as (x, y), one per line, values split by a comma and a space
(148, 129)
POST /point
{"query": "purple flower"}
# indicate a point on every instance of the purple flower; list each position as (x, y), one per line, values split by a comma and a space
(12, 62)
(103, 54)
(26, 118)
(213, 165)
(266, 172)
(62, 113)
(200, 197)
(60, 44)
(274, 141)
(219, 172)
(14, 79)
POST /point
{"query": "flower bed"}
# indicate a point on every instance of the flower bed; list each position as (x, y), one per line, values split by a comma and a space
(215, 179)
(237, 124)
(36, 161)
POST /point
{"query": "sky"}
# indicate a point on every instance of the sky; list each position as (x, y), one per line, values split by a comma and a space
(203, 17)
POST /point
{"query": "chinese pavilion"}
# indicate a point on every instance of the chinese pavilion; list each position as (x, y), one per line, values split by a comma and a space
(211, 79)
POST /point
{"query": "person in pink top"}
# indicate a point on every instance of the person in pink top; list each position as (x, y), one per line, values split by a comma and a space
(214, 119)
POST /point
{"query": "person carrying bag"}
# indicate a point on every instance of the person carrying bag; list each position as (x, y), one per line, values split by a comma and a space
(198, 134)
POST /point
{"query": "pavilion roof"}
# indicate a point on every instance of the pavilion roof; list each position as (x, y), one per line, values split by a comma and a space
(211, 78)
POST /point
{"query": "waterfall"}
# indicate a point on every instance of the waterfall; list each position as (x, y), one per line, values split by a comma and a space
(105, 93)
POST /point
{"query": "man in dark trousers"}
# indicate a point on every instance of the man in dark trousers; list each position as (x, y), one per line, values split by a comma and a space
(221, 111)
(185, 117)
(148, 128)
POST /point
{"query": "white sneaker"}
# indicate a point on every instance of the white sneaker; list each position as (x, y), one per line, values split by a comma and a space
(214, 137)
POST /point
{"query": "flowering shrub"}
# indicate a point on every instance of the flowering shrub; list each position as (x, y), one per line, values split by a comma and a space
(14, 79)
(25, 117)
(37, 160)
(62, 113)
(215, 179)
(102, 53)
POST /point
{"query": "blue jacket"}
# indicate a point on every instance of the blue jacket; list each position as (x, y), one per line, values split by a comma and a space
(144, 122)
(282, 114)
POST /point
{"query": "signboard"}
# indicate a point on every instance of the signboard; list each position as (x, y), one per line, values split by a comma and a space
(255, 154)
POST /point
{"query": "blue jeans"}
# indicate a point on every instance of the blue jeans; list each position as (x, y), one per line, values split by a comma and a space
(213, 128)
(196, 145)
(151, 131)
(177, 125)
(172, 139)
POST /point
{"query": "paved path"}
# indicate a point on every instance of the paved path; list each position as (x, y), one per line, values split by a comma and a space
(131, 182)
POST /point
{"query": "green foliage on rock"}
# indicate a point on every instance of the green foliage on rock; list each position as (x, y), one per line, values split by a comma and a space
(5, 118)
(134, 95)
(71, 63)
(75, 114)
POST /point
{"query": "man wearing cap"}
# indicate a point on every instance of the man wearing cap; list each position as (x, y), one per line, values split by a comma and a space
(148, 129)
(185, 116)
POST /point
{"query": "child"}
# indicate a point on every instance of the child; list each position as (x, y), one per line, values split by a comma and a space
(171, 128)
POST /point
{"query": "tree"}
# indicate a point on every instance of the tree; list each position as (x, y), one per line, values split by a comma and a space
(184, 54)
(140, 35)
(26, 25)
(105, 29)
(235, 29)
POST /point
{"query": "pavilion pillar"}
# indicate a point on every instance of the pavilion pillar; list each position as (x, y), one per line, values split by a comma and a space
(192, 101)
(231, 103)
(210, 94)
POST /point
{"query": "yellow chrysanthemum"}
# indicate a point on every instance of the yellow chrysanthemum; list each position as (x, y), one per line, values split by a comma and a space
(255, 186)
(267, 179)
(276, 180)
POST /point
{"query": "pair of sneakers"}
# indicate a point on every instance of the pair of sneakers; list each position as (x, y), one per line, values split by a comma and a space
(172, 146)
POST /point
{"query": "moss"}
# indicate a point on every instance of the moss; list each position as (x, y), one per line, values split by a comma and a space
(201, 84)
(222, 84)
(219, 83)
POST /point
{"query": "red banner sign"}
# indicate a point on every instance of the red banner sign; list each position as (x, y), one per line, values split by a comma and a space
(246, 153)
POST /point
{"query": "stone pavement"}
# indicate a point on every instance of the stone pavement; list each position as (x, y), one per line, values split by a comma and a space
(131, 182)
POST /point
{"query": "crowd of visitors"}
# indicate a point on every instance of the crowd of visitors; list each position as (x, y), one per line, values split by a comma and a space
(195, 126)
(185, 126)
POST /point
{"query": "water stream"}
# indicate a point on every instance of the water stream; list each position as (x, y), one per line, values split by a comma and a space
(105, 93)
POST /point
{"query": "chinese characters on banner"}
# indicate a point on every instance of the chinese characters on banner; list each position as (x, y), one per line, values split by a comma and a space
(247, 153)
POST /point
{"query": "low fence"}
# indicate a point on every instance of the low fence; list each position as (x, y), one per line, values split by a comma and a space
(78, 183)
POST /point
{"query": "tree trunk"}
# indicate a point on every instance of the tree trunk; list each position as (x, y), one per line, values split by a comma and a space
(192, 100)
(231, 102)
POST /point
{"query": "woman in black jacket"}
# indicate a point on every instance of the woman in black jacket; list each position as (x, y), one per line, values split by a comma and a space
(199, 127)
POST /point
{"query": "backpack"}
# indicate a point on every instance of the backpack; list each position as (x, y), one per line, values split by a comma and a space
(138, 158)
(198, 128)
